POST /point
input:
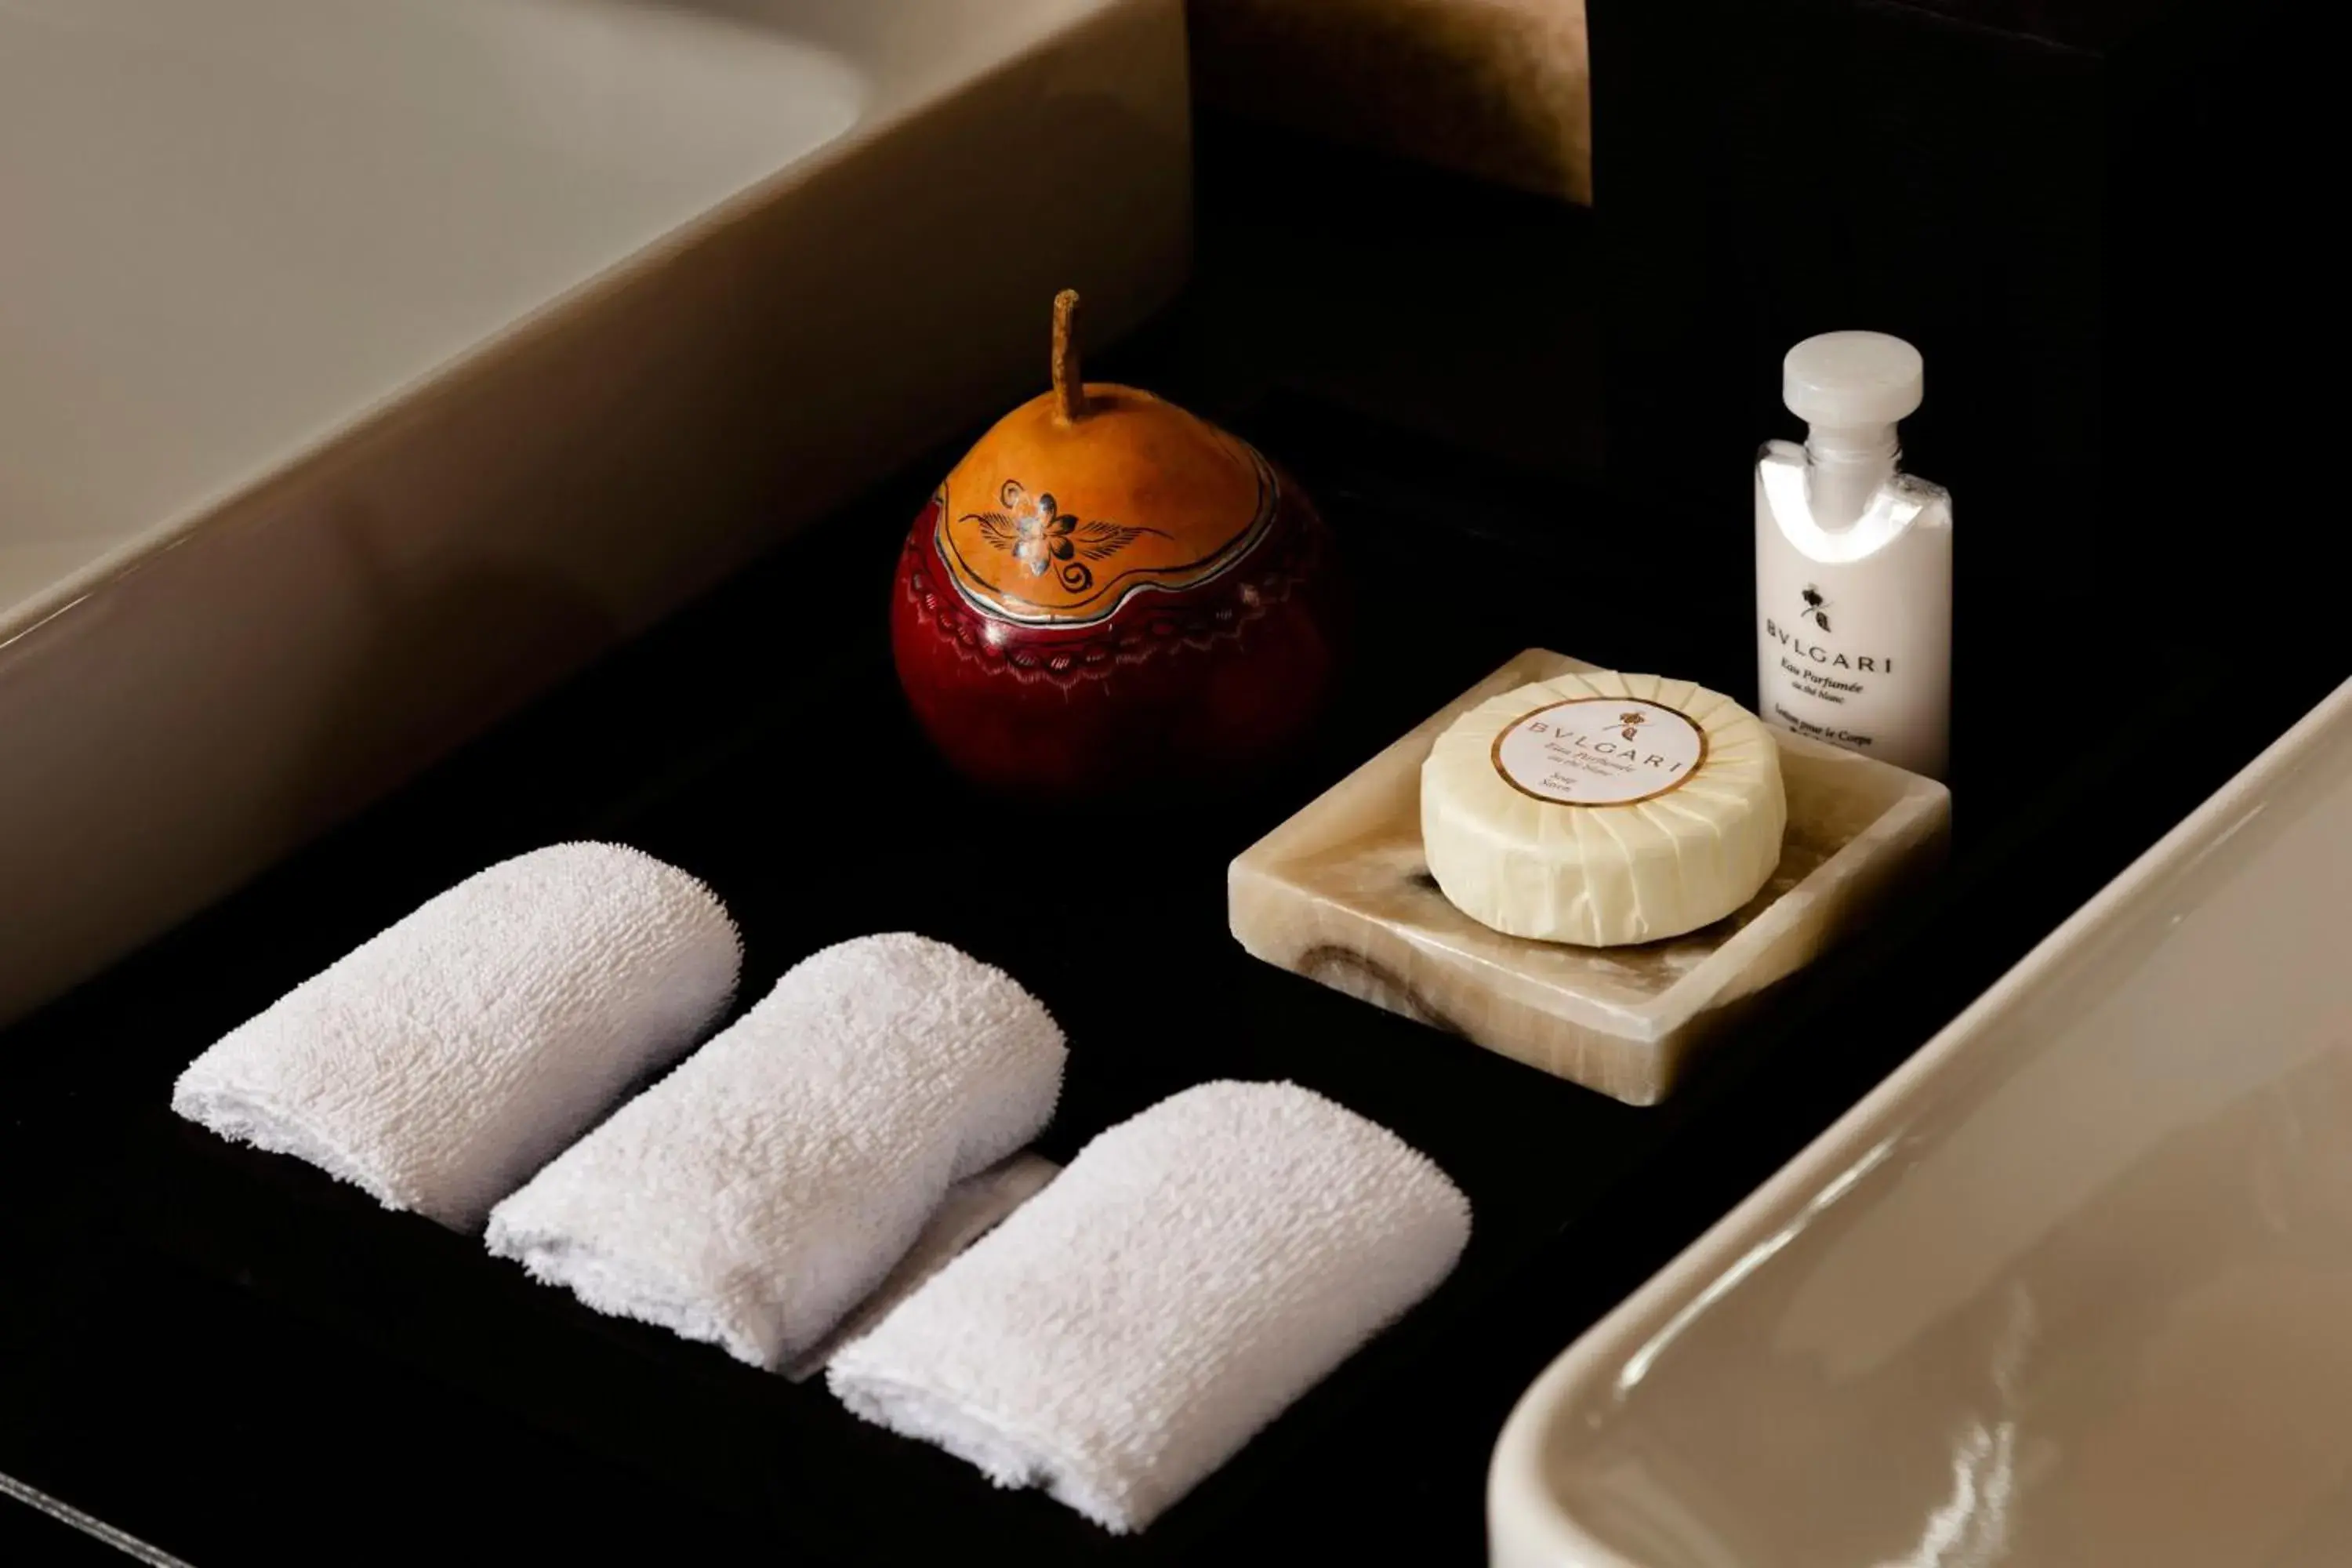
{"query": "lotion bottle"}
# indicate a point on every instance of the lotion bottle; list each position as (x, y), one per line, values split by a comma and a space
(1853, 561)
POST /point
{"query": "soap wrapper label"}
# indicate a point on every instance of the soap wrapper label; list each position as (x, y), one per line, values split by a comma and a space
(1600, 751)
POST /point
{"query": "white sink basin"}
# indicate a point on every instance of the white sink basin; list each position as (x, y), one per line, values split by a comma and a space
(364, 364)
(2074, 1287)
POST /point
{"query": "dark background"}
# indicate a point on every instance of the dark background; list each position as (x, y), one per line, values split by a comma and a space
(232, 1357)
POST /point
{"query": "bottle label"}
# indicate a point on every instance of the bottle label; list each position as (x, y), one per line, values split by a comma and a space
(1812, 685)
(1854, 630)
(1600, 751)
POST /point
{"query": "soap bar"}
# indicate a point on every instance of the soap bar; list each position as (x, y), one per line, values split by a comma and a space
(1341, 894)
(1603, 809)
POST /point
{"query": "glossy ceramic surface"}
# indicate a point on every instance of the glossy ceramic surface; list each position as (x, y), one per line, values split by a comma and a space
(363, 367)
(2074, 1286)
(173, 328)
(1127, 599)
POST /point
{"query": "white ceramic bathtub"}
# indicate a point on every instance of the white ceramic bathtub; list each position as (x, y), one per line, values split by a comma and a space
(2072, 1287)
(365, 365)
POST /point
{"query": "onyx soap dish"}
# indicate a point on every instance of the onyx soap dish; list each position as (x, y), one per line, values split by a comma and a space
(1341, 894)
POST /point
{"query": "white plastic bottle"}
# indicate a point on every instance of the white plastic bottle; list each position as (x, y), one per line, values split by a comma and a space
(1853, 561)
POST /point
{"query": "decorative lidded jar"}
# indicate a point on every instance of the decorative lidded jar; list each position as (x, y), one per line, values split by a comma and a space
(1109, 593)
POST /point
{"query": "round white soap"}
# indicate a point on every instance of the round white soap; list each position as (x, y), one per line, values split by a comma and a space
(1603, 809)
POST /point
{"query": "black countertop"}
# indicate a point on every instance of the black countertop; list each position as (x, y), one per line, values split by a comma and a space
(227, 1355)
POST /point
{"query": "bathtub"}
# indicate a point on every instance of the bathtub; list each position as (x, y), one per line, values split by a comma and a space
(365, 367)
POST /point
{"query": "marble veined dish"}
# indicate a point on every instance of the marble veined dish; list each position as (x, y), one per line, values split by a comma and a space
(364, 366)
(2072, 1287)
(1341, 894)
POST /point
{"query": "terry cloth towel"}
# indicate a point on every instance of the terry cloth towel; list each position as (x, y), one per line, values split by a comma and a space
(973, 1208)
(1194, 1270)
(759, 1192)
(440, 1063)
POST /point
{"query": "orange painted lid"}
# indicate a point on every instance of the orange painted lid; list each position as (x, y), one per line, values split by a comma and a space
(1056, 521)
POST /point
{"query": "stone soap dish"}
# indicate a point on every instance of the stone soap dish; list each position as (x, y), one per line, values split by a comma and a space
(1341, 894)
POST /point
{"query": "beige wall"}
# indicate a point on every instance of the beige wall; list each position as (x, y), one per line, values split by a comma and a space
(1496, 88)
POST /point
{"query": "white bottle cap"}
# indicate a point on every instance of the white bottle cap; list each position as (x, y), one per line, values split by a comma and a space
(1852, 380)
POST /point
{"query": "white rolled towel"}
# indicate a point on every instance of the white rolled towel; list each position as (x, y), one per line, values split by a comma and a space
(1194, 1271)
(756, 1194)
(439, 1063)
